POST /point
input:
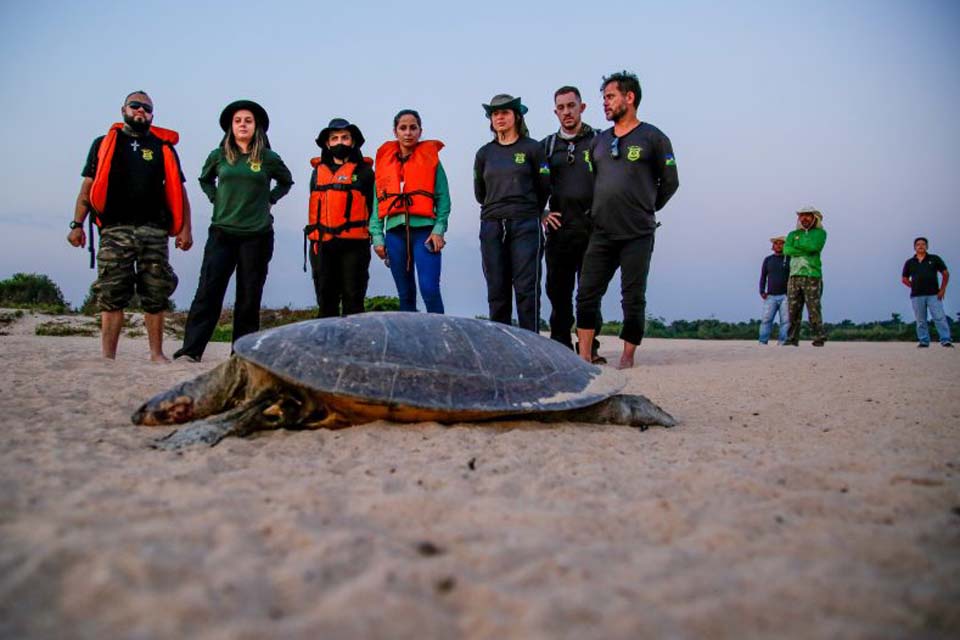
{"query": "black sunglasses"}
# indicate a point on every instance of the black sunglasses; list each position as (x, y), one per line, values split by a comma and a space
(615, 148)
(134, 105)
(570, 153)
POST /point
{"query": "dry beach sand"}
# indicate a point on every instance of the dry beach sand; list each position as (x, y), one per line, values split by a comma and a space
(807, 493)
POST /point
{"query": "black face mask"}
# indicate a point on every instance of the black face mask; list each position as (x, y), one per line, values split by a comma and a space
(340, 151)
(138, 127)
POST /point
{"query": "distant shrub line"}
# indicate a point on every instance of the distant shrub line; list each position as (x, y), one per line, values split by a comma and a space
(39, 293)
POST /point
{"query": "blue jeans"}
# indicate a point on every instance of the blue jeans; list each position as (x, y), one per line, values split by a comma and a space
(922, 304)
(771, 306)
(426, 263)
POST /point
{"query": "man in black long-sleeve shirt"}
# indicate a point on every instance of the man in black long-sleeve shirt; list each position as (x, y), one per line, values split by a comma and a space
(773, 289)
(636, 174)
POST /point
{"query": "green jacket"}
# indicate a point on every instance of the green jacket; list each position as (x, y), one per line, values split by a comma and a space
(804, 247)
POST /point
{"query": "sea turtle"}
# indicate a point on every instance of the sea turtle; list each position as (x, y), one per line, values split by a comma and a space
(403, 367)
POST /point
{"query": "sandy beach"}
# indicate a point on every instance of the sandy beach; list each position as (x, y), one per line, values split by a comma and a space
(807, 493)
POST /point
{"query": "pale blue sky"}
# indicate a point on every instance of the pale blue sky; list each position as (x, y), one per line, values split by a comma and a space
(849, 106)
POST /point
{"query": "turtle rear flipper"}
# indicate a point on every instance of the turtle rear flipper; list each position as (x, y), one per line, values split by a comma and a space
(264, 411)
(630, 410)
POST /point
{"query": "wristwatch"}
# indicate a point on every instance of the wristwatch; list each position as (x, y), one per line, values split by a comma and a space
(75, 225)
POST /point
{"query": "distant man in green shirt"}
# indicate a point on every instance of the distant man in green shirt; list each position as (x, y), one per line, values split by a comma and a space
(805, 285)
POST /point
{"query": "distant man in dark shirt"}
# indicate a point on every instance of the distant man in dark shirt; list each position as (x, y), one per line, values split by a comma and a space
(134, 187)
(635, 175)
(568, 222)
(773, 289)
(920, 275)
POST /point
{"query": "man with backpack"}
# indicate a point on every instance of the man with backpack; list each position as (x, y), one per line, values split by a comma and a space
(567, 222)
(133, 186)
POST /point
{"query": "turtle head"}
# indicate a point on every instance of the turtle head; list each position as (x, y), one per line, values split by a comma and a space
(207, 394)
(169, 407)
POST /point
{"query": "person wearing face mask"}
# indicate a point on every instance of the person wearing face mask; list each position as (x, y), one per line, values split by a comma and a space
(413, 205)
(133, 187)
(237, 178)
(805, 285)
(341, 200)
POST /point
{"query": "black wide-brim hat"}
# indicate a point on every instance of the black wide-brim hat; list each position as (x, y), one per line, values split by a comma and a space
(259, 114)
(505, 101)
(338, 124)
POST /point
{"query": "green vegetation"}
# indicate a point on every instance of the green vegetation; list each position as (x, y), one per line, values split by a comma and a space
(63, 329)
(32, 291)
(893, 329)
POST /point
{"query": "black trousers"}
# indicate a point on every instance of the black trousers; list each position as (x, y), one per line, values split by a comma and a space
(564, 257)
(341, 271)
(604, 256)
(512, 253)
(223, 254)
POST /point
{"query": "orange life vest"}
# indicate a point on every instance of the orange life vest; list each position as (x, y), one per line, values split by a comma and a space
(173, 188)
(338, 207)
(407, 187)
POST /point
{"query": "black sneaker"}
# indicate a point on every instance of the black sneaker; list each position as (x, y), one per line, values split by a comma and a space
(818, 343)
(596, 358)
(948, 345)
(923, 345)
(180, 355)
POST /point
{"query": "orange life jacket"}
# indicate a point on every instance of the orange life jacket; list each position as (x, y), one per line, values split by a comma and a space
(407, 187)
(338, 207)
(173, 188)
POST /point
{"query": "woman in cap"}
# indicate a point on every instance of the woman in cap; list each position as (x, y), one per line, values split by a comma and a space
(413, 205)
(511, 181)
(237, 178)
(341, 198)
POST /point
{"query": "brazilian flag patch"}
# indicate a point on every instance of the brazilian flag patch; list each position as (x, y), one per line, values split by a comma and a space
(544, 169)
(670, 162)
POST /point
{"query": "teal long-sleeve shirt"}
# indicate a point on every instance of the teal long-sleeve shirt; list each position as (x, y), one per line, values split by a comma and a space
(441, 208)
(804, 247)
(241, 193)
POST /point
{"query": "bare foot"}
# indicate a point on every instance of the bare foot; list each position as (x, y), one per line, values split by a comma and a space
(626, 362)
(159, 358)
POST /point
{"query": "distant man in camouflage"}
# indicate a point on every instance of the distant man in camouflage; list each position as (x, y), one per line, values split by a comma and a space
(805, 285)
(135, 217)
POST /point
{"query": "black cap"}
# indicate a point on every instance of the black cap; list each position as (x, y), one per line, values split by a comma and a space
(259, 114)
(336, 125)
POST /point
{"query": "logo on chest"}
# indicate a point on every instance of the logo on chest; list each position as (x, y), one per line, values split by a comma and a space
(519, 158)
(255, 166)
(634, 152)
(147, 154)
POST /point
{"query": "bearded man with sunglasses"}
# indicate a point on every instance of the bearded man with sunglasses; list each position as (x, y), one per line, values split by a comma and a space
(133, 187)
(635, 174)
(567, 222)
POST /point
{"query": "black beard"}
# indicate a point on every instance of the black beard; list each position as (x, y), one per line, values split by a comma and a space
(136, 126)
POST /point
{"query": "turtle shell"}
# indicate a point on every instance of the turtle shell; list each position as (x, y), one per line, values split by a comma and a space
(430, 361)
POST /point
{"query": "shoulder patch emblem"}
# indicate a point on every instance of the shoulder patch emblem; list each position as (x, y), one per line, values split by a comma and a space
(255, 166)
(544, 169)
(633, 152)
(670, 162)
(148, 154)
(519, 158)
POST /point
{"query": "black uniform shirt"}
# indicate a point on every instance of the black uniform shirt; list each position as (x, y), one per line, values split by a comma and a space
(571, 181)
(774, 274)
(511, 181)
(135, 193)
(631, 187)
(923, 275)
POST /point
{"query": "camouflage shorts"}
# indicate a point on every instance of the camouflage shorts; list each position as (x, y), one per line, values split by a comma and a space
(134, 259)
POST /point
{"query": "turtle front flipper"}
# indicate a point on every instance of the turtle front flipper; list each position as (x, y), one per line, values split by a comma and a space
(630, 410)
(267, 410)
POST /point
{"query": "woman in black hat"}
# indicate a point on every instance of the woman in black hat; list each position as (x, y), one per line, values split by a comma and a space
(341, 199)
(236, 177)
(511, 180)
